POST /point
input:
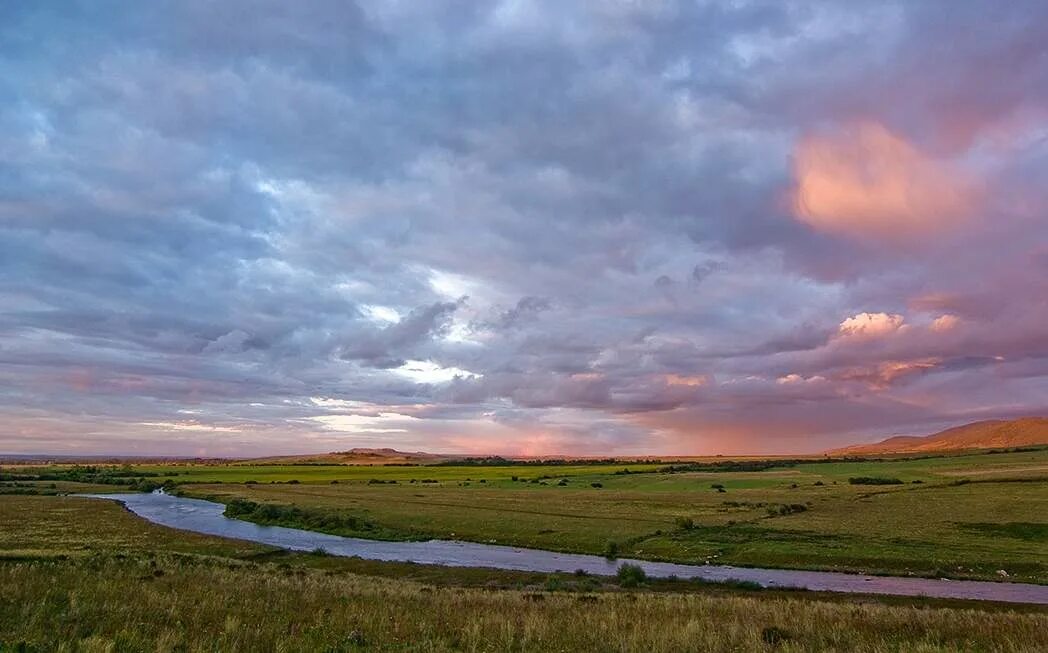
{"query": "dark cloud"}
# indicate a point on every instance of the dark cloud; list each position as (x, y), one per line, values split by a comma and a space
(234, 226)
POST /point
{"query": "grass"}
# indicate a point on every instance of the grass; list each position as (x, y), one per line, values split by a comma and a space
(962, 516)
(804, 516)
(86, 575)
(166, 605)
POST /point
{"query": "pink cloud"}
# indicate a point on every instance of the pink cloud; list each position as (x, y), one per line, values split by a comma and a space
(871, 325)
(865, 182)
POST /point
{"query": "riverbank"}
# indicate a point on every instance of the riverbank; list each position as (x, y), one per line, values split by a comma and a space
(206, 517)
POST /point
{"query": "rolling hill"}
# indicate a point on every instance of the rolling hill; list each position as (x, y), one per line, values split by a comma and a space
(989, 434)
(357, 456)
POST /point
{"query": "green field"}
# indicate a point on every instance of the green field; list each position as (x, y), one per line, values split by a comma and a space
(85, 575)
(961, 516)
(966, 517)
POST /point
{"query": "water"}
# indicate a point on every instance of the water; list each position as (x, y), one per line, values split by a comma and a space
(206, 517)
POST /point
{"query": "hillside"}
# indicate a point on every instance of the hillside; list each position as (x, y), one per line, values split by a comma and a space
(356, 456)
(989, 434)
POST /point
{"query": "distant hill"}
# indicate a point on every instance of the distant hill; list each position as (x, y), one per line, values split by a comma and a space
(356, 456)
(989, 434)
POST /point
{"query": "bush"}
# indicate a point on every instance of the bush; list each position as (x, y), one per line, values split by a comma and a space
(684, 523)
(611, 549)
(630, 575)
(146, 486)
(716, 486)
(873, 480)
(293, 481)
(597, 485)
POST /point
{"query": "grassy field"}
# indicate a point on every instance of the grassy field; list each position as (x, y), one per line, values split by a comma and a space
(84, 575)
(963, 516)
(960, 517)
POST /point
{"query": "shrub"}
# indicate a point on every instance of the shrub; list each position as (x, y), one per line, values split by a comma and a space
(597, 485)
(873, 480)
(611, 549)
(146, 486)
(716, 486)
(293, 481)
(684, 523)
(631, 575)
(562, 482)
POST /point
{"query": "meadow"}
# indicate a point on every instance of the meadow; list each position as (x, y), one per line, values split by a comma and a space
(960, 516)
(85, 575)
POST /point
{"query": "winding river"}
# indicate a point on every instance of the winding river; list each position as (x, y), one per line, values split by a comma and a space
(206, 517)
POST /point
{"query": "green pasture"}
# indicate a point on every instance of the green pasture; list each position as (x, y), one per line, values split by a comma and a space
(961, 516)
(85, 575)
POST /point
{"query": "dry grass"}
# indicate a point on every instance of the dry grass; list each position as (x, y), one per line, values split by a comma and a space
(173, 603)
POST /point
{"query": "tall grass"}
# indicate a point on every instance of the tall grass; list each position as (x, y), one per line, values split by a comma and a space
(171, 603)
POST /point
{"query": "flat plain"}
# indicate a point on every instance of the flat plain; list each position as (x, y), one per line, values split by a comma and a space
(83, 574)
(971, 516)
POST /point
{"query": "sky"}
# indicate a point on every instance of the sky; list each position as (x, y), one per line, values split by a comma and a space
(524, 228)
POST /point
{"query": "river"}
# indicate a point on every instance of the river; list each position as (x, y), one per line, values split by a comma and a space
(206, 517)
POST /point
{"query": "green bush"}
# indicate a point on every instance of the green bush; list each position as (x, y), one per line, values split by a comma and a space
(684, 523)
(611, 549)
(631, 575)
(873, 480)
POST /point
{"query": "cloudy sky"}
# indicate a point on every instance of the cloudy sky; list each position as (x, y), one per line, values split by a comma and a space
(518, 227)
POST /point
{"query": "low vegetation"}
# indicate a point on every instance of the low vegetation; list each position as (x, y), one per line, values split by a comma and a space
(948, 516)
(873, 480)
(82, 574)
(177, 604)
(308, 519)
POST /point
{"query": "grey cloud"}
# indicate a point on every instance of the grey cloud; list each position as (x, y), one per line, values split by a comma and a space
(201, 202)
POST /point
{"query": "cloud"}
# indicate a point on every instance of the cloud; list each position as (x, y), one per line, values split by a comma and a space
(945, 322)
(550, 228)
(870, 325)
(863, 181)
